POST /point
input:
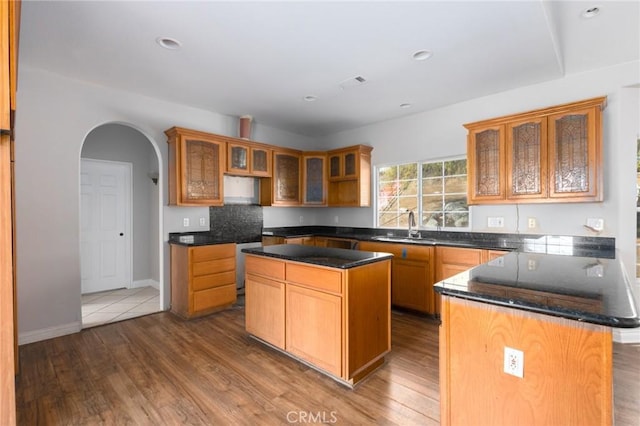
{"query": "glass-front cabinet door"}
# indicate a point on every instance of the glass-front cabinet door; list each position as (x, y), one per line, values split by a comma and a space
(526, 159)
(260, 161)
(238, 160)
(574, 154)
(314, 185)
(335, 166)
(286, 178)
(485, 153)
(202, 172)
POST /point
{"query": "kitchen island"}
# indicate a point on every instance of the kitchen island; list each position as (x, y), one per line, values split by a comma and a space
(526, 339)
(326, 307)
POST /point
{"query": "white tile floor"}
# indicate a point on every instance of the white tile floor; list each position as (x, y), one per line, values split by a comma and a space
(117, 305)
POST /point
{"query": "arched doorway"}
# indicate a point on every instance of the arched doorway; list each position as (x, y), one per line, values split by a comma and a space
(121, 276)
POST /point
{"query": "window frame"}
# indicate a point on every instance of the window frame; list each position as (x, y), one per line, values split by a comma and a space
(420, 195)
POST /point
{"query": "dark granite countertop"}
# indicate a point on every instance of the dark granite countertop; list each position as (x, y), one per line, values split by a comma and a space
(197, 239)
(582, 288)
(323, 256)
(588, 246)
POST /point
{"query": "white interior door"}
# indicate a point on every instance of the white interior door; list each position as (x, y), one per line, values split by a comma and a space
(105, 231)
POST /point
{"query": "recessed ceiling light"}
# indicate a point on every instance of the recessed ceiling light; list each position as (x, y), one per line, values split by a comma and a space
(169, 43)
(590, 12)
(310, 98)
(421, 55)
(405, 105)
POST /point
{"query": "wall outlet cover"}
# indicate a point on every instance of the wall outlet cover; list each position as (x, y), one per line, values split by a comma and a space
(513, 362)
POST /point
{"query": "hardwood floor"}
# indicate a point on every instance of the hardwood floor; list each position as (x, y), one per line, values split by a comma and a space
(160, 369)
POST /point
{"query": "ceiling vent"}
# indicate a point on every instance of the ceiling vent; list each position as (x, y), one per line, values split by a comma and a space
(352, 82)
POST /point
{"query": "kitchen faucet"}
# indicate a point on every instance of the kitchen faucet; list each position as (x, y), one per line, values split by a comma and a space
(412, 222)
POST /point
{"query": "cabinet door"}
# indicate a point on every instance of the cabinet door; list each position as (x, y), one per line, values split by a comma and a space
(486, 152)
(527, 159)
(350, 164)
(411, 285)
(202, 167)
(260, 162)
(238, 159)
(314, 327)
(286, 178)
(575, 155)
(335, 166)
(314, 180)
(264, 309)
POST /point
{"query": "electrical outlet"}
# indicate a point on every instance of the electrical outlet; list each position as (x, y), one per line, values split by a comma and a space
(185, 222)
(203, 222)
(335, 219)
(595, 223)
(301, 219)
(495, 222)
(532, 222)
(513, 362)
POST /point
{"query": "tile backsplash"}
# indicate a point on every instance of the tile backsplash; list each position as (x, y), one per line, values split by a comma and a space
(241, 223)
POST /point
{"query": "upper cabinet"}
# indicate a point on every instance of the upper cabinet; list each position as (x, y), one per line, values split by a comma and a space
(314, 178)
(283, 189)
(196, 166)
(349, 175)
(548, 155)
(248, 159)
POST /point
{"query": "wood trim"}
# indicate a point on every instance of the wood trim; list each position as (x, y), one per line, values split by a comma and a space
(557, 109)
(7, 315)
(5, 84)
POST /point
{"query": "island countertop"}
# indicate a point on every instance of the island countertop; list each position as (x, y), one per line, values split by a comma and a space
(323, 256)
(589, 289)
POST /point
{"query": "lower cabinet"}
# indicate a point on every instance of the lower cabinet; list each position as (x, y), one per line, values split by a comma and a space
(322, 312)
(454, 260)
(337, 320)
(412, 274)
(203, 278)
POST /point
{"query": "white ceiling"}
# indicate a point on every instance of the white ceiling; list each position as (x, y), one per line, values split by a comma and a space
(261, 58)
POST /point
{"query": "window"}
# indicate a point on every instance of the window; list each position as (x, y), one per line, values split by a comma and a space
(435, 190)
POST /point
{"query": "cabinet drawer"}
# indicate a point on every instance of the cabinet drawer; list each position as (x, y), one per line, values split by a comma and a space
(400, 251)
(315, 277)
(214, 297)
(213, 280)
(213, 266)
(262, 266)
(460, 256)
(217, 251)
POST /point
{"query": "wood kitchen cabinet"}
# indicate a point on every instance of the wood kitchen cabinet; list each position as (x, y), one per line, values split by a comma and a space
(337, 320)
(314, 178)
(196, 167)
(349, 175)
(264, 282)
(248, 159)
(454, 260)
(547, 155)
(412, 274)
(306, 241)
(284, 188)
(203, 278)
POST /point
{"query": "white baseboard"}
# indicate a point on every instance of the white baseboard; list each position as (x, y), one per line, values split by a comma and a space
(146, 283)
(626, 335)
(49, 333)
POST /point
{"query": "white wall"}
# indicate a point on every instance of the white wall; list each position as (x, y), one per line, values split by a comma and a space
(54, 116)
(440, 133)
